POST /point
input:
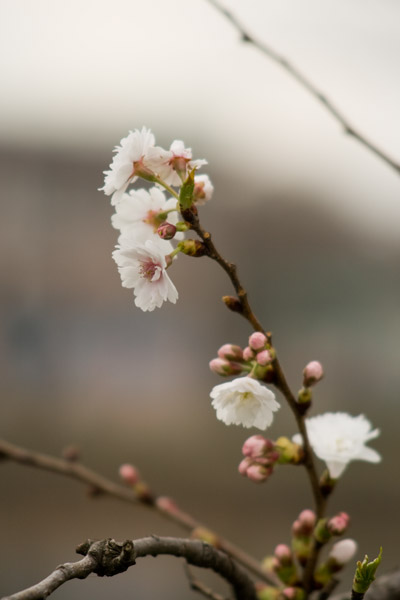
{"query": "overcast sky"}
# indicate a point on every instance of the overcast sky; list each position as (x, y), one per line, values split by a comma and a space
(80, 74)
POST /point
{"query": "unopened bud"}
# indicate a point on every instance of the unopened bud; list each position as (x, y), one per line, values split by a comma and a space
(302, 547)
(305, 522)
(129, 474)
(71, 453)
(321, 532)
(264, 357)
(289, 452)
(294, 593)
(338, 524)
(166, 231)
(231, 352)
(248, 353)
(244, 465)
(284, 554)
(192, 248)
(206, 535)
(233, 304)
(167, 505)
(143, 493)
(257, 341)
(258, 473)
(313, 372)
(257, 446)
(342, 552)
(224, 367)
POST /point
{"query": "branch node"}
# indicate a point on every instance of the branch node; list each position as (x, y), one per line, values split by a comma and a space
(111, 557)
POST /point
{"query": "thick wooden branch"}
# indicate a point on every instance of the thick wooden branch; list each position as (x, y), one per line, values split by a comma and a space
(107, 558)
(309, 86)
(77, 471)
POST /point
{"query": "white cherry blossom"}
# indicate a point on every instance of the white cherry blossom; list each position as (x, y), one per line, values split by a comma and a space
(142, 266)
(128, 156)
(137, 215)
(244, 401)
(338, 438)
(174, 164)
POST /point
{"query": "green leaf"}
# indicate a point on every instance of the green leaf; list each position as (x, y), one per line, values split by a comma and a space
(186, 192)
(365, 573)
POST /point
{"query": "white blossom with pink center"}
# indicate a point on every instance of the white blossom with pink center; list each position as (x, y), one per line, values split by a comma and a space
(128, 156)
(137, 215)
(338, 438)
(203, 189)
(244, 401)
(142, 266)
(174, 164)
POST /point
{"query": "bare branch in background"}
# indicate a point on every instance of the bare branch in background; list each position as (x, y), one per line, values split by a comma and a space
(106, 558)
(308, 85)
(102, 485)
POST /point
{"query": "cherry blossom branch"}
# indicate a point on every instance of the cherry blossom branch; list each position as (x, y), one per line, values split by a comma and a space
(107, 558)
(309, 86)
(279, 380)
(100, 484)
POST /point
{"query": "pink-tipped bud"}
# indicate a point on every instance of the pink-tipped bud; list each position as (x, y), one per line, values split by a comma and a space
(290, 593)
(231, 352)
(342, 552)
(264, 358)
(338, 524)
(257, 341)
(220, 366)
(258, 473)
(244, 465)
(167, 505)
(306, 522)
(248, 353)
(129, 474)
(257, 446)
(313, 372)
(284, 554)
(166, 231)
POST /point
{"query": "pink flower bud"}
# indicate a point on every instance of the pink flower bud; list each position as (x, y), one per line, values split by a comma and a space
(224, 367)
(248, 353)
(342, 552)
(129, 474)
(230, 352)
(244, 465)
(166, 231)
(257, 341)
(166, 504)
(284, 554)
(307, 519)
(313, 372)
(258, 473)
(290, 593)
(338, 524)
(256, 446)
(264, 357)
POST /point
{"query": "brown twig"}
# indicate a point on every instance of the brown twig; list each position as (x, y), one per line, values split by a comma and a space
(309, 86)
(81, 473)
(108, 558)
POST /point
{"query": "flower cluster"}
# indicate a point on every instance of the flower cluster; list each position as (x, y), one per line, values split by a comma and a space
(146, 219)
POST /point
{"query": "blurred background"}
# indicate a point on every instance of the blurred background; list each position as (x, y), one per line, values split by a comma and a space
(309, 215)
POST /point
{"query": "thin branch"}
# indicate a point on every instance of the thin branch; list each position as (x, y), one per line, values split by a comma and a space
(309, 86)
(103, 485)
(279, 380)
(107, 558)
(199, 586)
